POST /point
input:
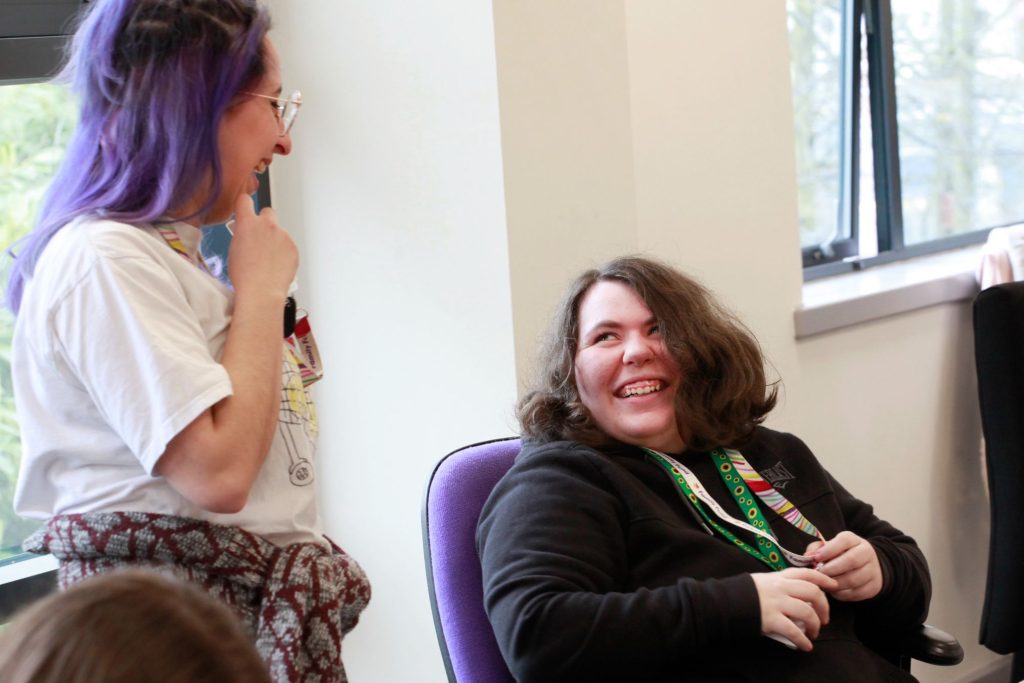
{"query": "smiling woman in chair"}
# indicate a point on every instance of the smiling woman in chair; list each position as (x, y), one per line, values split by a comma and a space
(651, 529)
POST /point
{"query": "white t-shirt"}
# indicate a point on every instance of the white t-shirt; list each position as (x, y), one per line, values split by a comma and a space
(116, 350)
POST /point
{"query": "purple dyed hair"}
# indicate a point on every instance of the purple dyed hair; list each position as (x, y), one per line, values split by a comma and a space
(153, 79)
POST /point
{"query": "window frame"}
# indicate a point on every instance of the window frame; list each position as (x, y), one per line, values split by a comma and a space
(841, 256)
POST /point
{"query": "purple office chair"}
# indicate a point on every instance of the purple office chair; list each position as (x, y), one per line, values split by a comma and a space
(457, 490)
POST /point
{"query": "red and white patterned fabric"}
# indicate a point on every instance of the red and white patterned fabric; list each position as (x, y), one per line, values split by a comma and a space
(298, 600)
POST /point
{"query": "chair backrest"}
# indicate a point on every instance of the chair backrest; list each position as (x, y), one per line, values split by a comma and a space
(999, 356)
(457, 490)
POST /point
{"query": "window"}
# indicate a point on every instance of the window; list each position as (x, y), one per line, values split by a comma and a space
(36, 123)
(33, 132)
(909, 126)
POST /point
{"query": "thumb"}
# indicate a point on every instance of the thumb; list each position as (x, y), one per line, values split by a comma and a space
(815, 545)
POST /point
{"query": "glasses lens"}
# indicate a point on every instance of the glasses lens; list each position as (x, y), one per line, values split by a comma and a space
(291, 110)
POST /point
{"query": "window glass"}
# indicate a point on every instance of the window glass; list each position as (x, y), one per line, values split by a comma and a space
(959, 84)
(35, 126)
(867, 207)
(815, 31)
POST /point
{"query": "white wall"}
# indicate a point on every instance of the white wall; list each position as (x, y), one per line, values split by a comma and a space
(394, 193)
(435, 245)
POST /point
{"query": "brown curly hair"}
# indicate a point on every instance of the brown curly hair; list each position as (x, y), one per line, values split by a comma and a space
(723, 394)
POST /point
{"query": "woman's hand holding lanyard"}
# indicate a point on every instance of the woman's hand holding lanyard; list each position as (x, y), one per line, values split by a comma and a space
(852, 562)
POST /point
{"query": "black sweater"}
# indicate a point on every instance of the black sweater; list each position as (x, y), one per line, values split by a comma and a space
(596, 569)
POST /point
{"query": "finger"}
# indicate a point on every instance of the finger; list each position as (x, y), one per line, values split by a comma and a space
(836, 546)
(813, 546)
(864, 579)
(843, 565)
(812, 576)
(850, 594)
(807, 614)
(795, 634)
(819, 604)
(854, 559)
(809, 602)
(244, 208)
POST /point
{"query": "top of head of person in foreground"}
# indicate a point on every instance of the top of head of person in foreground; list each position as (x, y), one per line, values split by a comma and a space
(129, 626)
(161, 86)
(641, 353)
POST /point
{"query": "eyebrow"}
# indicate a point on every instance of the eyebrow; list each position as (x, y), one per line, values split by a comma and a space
(613, 324)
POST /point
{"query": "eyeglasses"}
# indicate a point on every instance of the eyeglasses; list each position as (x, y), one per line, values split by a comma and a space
(286, 110)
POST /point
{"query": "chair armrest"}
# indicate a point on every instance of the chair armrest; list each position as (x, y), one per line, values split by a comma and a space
(932, 646)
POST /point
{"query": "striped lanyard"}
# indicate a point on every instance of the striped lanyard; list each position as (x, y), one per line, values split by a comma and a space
(173, 240)
(739, 481)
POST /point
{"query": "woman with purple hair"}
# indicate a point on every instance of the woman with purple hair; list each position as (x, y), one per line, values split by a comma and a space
(164, 420)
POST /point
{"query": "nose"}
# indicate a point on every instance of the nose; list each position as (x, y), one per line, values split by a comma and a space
(284, 144)
(638, 349)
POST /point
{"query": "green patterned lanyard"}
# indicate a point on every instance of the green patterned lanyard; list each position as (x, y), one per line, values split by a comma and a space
(767, 550)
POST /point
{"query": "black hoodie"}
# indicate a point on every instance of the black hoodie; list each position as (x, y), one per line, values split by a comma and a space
(596, 569)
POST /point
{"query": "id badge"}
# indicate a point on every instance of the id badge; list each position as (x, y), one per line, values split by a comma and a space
(304, 343)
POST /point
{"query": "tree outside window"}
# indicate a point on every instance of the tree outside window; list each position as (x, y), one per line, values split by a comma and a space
(909, 124)
(34, 129)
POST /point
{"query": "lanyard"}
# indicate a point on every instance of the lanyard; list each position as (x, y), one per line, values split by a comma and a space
(768, 549)
(173, 240)
(729, 459)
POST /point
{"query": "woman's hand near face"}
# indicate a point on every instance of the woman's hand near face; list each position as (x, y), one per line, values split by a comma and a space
(852, 562)
(262, 253)
(793, 595)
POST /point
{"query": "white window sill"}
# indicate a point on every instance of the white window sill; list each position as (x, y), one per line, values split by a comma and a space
(843, 300)
(23, 569)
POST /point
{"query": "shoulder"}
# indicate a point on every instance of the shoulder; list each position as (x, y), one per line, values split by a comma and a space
(108, 238)
(552, 464)
(91, 263)
(774, 443)
(84, 242)
(543, 450)
(782, 457)
(561, 455)
(551, 480)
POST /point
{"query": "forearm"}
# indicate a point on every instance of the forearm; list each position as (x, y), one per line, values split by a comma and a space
(577, 635)
(244, 423)
(215, 460)
(906, 583)
(906, 587)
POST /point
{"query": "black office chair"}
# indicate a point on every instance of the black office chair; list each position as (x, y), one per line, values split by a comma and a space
(999, 356)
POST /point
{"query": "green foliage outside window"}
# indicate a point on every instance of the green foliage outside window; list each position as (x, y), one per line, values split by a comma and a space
(34, 129)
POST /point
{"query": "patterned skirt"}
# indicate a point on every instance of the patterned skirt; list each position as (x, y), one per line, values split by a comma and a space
(298, 601)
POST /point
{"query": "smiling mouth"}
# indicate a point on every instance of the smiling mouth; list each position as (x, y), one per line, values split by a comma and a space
(640, 388)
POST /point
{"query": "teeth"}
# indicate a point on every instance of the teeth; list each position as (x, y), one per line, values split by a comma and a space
(642, 389)
(261, 167)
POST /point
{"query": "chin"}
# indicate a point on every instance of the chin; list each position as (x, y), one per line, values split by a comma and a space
(216, 216)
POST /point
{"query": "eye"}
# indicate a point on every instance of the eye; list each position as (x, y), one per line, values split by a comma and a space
(655, 329)
(604, 336)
